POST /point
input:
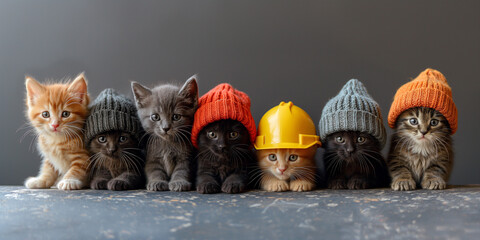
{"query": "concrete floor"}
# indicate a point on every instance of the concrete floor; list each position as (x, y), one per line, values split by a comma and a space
(324, 214)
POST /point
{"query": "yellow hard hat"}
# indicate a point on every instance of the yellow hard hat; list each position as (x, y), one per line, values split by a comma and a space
(286, 126)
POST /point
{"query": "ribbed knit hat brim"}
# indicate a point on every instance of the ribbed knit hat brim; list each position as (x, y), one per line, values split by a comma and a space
(430, 89)
(360, 121)
(221, 103)
(111, 120)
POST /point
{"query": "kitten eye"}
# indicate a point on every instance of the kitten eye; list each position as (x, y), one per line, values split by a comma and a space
(413, 121)
(65, 114)
(434, 122)
(360, 139)
(176, 117)
(340, 139)
(122, 139)
(293, 158)
(211, 135)
(233, 135)
(45, 114)
(102, 139)
(155, 117)
(272, 157)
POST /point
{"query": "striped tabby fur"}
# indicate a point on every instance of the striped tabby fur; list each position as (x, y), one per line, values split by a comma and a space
(421, 152)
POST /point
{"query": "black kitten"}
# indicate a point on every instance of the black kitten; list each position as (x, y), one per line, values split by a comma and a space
(353, 160)
(224, 156)
(117, 162)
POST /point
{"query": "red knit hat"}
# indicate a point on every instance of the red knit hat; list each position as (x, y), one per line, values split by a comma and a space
(220, 103)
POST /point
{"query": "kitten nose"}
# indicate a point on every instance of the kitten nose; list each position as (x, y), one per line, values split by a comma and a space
(281, 170)
(221, 147)
(165, 129)
(55, 126)
(423, 132)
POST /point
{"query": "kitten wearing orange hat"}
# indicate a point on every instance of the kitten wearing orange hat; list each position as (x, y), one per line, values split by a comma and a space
(424, 117)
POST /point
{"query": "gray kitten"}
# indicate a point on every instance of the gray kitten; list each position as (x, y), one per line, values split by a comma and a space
(166, 113)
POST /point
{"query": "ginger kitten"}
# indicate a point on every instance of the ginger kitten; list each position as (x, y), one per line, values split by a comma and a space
(287, 169)
(57, 112)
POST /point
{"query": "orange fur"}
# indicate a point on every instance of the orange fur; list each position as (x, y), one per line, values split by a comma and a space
(64, 155)
(298, 175)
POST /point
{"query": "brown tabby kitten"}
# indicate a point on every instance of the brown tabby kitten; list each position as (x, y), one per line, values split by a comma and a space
(421, 150)
(57, 112)
(117, 162)
(287, 169)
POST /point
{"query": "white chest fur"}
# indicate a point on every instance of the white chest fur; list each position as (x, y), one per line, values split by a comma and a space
(54, 152)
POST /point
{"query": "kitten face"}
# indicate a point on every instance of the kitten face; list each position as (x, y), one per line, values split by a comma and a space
(423, 129)
(224, 139)
(350, 146)
(113, 144)
(58, 110)
(167, 111)
(287, 163)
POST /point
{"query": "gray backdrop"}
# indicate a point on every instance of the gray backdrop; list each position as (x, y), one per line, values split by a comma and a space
(303, 51)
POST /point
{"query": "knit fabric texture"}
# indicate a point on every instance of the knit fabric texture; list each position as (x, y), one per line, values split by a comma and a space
(112, 112)
(353, 109)
(221, 103)
(430, 89)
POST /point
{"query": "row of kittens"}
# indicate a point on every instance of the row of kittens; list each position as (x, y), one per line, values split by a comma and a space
(169, 139)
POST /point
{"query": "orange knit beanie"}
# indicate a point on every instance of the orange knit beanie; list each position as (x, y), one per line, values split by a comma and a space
(220, 103)
(430, 89)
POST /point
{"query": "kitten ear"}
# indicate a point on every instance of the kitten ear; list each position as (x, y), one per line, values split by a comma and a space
(190, 89)
(140, 93)
(79, 88)
(34, 89)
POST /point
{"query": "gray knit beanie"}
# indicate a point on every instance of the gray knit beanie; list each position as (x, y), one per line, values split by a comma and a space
(112, 112)
(353, 109)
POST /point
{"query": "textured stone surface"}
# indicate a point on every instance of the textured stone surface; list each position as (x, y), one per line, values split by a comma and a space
(343, 214)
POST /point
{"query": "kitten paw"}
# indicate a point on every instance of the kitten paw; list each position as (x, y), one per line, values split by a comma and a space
(337, 184)
(301, 186)
(117, 185)
(70, 184)
(277, 186)
(99, 184)
(357, 183)
(161, 185)
(179, 186)
(208, 187)
(403, 184)
(233, 187)
(35, 182)
(433, 183)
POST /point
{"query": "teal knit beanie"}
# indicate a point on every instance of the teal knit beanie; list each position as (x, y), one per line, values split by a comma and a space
(112, 112)
(353, 109)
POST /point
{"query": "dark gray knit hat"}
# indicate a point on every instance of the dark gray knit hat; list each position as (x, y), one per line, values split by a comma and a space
(112, 111)
(353, 109)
